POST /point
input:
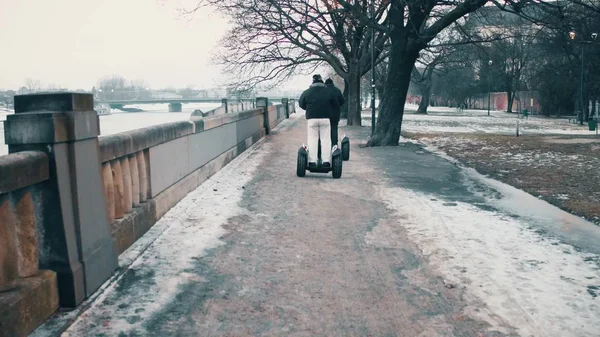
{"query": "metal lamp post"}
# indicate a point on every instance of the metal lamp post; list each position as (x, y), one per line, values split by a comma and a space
(572, 36)
(489, 86)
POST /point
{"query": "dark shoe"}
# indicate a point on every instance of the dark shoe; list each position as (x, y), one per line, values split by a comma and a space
(326, 164)
(312, 164)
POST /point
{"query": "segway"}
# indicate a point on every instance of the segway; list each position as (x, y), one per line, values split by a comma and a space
(345, 148)
(303, 165)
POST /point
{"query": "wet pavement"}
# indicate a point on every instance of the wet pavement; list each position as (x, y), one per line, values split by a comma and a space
(406, 243)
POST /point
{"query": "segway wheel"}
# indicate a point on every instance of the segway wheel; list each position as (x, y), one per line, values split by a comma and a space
(345, 149)
(302, 163)
(336, 167)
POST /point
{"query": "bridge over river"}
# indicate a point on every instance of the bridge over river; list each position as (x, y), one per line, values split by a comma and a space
(175, 104)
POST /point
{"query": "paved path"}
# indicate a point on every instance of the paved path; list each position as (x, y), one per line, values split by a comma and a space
(405, 244)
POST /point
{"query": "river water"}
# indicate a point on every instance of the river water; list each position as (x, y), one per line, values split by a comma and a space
(153, 114)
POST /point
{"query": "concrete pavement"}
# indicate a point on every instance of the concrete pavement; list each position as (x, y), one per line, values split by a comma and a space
(405, 244)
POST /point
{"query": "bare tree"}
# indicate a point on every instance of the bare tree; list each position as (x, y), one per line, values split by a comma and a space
(33, 85)
(512, 49)
(274, 39)
(188, 92)
(112, 83)
(411, 25)
(54, 87)
(427, 65)
(449, 50)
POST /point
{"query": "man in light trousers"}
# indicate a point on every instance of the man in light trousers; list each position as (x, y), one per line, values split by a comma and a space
(317, 101)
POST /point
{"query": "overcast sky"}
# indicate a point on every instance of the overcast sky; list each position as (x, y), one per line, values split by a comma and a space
(73, 43)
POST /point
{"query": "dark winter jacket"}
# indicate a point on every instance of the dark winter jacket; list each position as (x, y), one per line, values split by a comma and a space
(317, 101)
(338, 101)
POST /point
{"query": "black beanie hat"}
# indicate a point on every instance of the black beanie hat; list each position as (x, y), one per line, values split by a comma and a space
(317, 78)
(329, 81)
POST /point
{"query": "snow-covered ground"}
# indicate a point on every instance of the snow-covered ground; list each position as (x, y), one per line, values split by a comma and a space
(525, 280)
(444, 119)
(512, 274)
(533, 265)
(534, 159)
(195, 224)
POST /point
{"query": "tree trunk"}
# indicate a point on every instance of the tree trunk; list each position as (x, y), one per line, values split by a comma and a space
(354, 97)
(425, 98)
(344, 111)
(586, 105)
(510, 98)
(358, 101)
(389, 123)
(380, 92)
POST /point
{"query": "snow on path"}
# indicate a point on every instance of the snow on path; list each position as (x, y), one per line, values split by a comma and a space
(539, 285)
(192, 226)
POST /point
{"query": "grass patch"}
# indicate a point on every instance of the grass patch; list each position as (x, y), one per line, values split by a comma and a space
(565, 170)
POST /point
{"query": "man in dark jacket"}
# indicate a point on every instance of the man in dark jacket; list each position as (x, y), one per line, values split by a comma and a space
(317, 102)
(338, 101)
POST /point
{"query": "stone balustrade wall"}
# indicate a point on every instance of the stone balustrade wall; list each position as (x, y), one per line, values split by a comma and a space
(144, 171)
(71, 202)
(226, 108)
(21, 213)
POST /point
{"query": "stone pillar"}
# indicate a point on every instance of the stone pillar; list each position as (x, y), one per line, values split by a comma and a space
(119, 188)
(263, 102)
(127, 189)
(27, 236)
(76, 233)
(225, 104)
(285, 103)
(141, 162)
(135, 180)
(109, 191)
(293, 104)
(174, 107)
(9, 262)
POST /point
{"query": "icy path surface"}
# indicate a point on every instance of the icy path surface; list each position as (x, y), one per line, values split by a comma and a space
(416, 244)
(521, 261)
(537, 285)
(193, 226)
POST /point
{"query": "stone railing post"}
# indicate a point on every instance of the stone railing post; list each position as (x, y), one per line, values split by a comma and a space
(263, 102)
(75, 232)
(225, 104)
(293, 104)
(286, 106)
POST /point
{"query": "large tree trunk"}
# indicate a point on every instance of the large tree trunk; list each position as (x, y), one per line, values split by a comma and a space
(586, 104)
(358, 101)
(380, 92)
(389, 123)
(510, 98)
(425, 98)
(354, 97)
